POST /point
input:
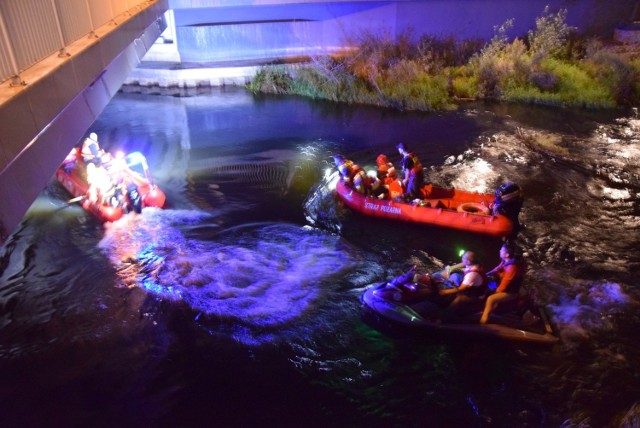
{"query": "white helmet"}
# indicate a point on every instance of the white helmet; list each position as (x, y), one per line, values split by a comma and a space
(93, 136)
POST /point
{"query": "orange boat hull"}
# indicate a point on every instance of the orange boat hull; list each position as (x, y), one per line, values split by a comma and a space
(450, 208)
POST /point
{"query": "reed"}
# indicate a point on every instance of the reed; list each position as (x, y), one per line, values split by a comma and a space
(551, 66)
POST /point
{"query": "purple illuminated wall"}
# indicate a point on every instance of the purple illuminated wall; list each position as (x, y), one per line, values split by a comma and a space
(258, 29)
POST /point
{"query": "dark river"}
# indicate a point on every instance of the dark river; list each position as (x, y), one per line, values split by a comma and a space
(238, 305)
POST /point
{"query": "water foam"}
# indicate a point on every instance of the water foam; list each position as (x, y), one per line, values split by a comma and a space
(260, 275)
(589, 309)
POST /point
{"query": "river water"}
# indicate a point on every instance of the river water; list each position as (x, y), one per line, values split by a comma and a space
(238, 304)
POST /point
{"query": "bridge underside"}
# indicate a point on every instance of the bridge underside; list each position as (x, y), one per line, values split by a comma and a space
(59, 98)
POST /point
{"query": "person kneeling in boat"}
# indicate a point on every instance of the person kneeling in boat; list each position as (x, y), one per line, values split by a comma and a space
(375, 187)
(413, 175)
(510, 275)
(386, 171)
(351, 174)
(471, 284)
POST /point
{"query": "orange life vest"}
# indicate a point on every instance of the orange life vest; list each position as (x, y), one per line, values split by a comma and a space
(387, 172)
(351, 169)
(417, 166)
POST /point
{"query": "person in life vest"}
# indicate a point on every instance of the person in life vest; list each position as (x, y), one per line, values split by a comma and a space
(471, 281)
(510, 275)
(508, 202)
(386, 170)
(412, 279)
(100, 182)
(374, 186)
(351, 174)
(413, 177)
(91, 149)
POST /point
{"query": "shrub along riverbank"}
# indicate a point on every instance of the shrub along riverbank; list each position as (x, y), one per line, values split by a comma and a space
(552, 65)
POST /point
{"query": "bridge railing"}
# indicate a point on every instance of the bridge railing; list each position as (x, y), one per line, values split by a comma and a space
(32, 30)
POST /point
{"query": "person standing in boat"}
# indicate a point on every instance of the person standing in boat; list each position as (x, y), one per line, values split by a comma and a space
(351, 174)
(91, 149)
(510, 275)
(471, 281)
(413, 176)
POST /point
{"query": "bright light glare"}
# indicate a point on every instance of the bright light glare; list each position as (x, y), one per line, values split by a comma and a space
(136, 158)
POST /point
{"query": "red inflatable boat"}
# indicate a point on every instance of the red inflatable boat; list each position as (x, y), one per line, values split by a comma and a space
(129, 188)
(451, 208)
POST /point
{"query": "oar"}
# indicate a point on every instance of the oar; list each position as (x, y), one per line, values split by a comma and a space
(70, 202)
(76, 199)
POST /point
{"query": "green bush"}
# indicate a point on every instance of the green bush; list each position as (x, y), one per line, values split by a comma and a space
(406, 87)
(635, 63)
(271, 80)
(437, 54)
(490, 64)
(618, 75)
(574, 87)
(463, 85)
(551, 33)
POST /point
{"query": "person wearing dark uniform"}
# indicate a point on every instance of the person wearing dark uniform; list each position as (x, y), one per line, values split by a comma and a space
(508, 202)
(413, 176)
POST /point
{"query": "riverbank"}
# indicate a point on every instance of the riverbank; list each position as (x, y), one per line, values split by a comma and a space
(552, 66)
(186, 79)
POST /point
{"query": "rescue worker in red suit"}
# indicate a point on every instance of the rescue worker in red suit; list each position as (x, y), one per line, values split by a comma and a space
(352, 174)
(413, 179)
(510, 274)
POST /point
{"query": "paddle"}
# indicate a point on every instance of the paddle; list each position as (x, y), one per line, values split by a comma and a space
(70, 202)
(76, 199)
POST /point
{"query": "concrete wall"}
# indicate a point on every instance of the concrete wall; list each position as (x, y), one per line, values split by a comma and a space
(209, 31)
(477, 18)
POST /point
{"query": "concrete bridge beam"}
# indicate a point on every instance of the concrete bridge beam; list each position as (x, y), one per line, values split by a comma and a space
(59, 98)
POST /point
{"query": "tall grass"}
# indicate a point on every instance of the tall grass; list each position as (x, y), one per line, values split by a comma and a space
(572, 86)
(550, 66)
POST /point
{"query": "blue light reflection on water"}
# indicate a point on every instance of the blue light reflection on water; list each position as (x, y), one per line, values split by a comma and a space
(589, 308)
(264, 275)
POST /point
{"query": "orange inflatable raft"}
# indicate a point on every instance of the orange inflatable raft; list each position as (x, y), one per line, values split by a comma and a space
(450, 208)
